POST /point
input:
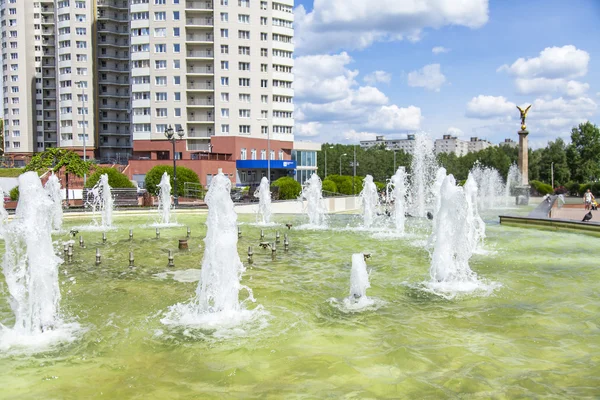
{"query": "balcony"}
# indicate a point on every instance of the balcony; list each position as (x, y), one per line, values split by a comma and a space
(198, 146)
(199, 133)
(198, 5)
(207, 102)
(206, 70)
(207, 22)
(192, 118)
(112, 17)
(200, 54)
(206, 38)
(113, 4)
(200, 86)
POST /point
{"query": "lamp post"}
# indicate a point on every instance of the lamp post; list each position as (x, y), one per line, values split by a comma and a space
(331, 147)
(552, 171)
(354, 171)
(83, 125)
(170, 134)
(341, 162)
(394, 171)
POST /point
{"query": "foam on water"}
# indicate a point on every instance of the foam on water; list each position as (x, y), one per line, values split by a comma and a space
(216, 305)
(263, 194)
(30, 268)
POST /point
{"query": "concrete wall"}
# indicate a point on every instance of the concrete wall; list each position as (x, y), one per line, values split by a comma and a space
(333, 205)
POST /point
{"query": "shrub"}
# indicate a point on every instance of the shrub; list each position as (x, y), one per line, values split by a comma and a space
(380, 186)
(154, 176)
(116, 179)
(541, 188)
(573, 188)
(288, 187)
(330, 186)
(14, 193)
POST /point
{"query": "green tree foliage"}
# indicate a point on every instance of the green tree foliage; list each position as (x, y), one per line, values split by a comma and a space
(154, 176)
(289, 188)
(56, 159)
(116, 179)
(541, 188)
(14, 193)
(583, 154)
(499, 157)
(555, 152)
(329, 186)
(376, 161)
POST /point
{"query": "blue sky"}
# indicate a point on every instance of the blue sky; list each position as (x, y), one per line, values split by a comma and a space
(549, 49)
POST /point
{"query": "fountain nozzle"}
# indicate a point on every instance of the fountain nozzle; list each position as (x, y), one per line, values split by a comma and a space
(81, 243)
(98, 259)
(262, 234)
(130, 234)
(277, 237)
(239, 233)
(189, 232)
(157, 233)
(286, 242)
(250, 254)
(131, 259)
(171, 261)
(103, 237)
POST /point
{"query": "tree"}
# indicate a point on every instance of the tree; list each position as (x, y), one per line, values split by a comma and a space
(184, 174)
(55, 159)
(555, 152)
(583, 153)
(116, 179)
(289, 188)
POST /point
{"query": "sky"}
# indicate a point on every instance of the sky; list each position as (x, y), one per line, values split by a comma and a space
(391, 67)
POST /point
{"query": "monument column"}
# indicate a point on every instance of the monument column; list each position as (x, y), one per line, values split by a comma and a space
(523, 162)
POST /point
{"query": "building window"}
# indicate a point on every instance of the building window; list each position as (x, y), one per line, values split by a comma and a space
(263, 154)
(176, 32)
(245, 129)
(225, 128)
(253, 154)
(224, 65)
(243, 18)
(281, 154)
(224, 33)
(224, 17)
(175, 15)
(225, 97)
(244, 113)
(244, 35)
(243, 154)
(225, 112)
(244, 82)
(224, 49)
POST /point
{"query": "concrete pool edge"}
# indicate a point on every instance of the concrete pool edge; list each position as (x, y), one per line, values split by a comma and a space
(590, 228)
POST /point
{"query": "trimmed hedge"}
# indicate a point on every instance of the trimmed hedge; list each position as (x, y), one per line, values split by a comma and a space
(289, 188)
(14, 193)
(329, 186)
(541, 188)
(116, 179)
(184, 174)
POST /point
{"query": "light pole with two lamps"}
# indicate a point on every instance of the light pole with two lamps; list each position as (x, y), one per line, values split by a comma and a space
(341, 162)
(330, 147)
(170, 134)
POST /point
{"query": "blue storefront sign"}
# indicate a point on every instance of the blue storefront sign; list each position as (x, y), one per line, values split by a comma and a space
(263, 164)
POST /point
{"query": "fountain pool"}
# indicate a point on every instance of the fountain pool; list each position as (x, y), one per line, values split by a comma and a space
(535, 336)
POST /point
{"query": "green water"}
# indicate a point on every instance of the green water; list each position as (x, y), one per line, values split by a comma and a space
(538, 335)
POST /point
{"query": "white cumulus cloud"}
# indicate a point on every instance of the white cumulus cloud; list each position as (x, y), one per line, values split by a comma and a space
(322, 78)
(552, 62)
(394, 118)
(356, 24)
(453, 131)
(309, 129)
(538, 86)
(440, 50)
(485, 107)
(378, 76)
(429, 77)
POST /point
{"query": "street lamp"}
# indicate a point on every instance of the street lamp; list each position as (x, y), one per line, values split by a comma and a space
(331, 147)
(170, 134)
(341, 162)
(354, 171)
(552, 171)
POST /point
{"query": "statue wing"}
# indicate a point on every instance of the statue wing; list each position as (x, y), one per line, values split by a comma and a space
(527, 109)
(520, 109)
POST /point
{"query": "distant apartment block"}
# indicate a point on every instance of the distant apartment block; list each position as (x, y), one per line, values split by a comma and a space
(451, 144)
(407, 144)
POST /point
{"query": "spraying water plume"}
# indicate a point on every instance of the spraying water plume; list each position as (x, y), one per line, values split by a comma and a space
(263, 193)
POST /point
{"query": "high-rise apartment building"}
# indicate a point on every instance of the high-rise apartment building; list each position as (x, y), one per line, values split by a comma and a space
(123, 71)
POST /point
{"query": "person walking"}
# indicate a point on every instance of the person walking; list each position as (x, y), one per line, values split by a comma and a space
(587, 199)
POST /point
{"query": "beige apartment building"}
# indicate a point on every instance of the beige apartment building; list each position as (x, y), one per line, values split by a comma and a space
(113, 75)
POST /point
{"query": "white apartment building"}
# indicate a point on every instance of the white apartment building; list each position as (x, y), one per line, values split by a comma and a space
(476, 144)
(407, 144)
(451, 144)
(123, 71)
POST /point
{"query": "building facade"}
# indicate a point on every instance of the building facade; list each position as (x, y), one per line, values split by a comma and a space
(477, 144)
(451, 144)
(407, 145)
(113, 75)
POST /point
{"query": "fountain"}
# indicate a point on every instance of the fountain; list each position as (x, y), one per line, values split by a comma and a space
(455, 237)
(216, 303)
(53, 191)
(359, 277)
(3, 212)
(490, 186)
(100, 199)
(315, 209)
(397, 191)
(164, 199)
(423, 168)
(370, 201)
(474, 221)
(440, 175)
(513, 179)
(263, 194)
(30, 268)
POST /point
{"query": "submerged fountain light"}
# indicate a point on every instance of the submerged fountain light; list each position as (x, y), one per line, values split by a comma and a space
(263, 194)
